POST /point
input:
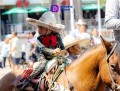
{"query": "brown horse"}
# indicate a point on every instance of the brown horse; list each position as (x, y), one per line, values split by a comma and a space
(90, 72)
(93, 70)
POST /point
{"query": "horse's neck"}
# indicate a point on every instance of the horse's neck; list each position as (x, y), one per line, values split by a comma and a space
(90, 59)
(86, 68)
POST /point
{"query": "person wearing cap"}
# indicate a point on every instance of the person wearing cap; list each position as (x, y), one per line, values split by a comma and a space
(49, 42)
(73, 48)
(81, 31)
(4, 46)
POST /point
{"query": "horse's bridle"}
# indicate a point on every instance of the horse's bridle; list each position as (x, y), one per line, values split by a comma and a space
(114, 84)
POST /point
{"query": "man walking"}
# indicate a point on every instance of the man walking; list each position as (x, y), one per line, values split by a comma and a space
(16, 50)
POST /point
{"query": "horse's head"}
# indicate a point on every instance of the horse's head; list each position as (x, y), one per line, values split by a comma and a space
(111, 67)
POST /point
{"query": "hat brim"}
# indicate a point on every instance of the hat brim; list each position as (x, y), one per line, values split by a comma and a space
(77, 23)
(55, 28)
(72, 44)
(83, 42)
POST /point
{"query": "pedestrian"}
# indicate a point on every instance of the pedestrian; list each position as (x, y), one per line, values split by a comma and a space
(4, 50)
(10, 59)
(33, 42)
(112, 17)
(16, 51)
(27, 49)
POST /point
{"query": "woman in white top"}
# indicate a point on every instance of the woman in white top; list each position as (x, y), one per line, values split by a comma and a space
(81, 31)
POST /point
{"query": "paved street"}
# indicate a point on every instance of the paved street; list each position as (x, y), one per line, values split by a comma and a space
(4, 71)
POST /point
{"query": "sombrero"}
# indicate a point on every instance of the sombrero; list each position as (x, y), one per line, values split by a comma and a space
(69, 41)
(81, 22)
(47, 20)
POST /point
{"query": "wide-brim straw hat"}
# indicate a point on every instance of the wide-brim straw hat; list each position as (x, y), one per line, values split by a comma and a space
(81, 22)
(47, 20)
(70, 41)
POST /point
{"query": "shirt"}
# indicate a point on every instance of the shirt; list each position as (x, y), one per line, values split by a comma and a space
(17, 52)
(112, 15)
(77, 34)
(4, 49)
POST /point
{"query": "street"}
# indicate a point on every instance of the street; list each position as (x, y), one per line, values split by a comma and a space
(4, 71)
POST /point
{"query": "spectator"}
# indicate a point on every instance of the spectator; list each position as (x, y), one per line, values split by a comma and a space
(96, 37)
(16, 51)
(9, 54)
(4, 50)
(81, 31)
(87, 14)
(96, 17)
(27, 49)
(33, 42)
(93, 21)
(112, 17)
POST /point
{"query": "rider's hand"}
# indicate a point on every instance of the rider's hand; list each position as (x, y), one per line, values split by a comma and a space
(56, 51)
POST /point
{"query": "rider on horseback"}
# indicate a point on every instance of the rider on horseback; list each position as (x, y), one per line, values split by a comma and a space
(49, 42)
(73, 47)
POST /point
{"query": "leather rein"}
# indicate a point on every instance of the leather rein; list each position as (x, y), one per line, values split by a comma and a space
(114, 84)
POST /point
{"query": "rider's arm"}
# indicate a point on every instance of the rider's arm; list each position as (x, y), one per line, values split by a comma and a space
(44, 50)
(112, 14)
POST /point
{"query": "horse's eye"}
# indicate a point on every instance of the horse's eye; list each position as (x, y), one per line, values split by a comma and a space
(112, 66)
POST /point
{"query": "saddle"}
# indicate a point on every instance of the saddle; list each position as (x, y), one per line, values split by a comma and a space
(46, 80)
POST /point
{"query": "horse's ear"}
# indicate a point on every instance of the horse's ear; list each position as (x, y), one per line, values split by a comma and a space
(106, 44)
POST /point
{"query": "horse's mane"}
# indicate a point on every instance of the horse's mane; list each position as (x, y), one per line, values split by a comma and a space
(88, 50)
(92, 47)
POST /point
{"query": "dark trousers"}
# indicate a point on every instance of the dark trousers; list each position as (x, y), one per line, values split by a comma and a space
(38, 70)
(1, 65)
(4, 61)
(117, 35)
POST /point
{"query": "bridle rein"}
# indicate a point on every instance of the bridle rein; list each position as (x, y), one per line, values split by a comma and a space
(114, 84)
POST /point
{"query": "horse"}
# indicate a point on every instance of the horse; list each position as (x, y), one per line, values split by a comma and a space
(92, 71)
(96, 68)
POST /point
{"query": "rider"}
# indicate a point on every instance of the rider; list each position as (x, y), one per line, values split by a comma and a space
(73, 48)
(49, 42)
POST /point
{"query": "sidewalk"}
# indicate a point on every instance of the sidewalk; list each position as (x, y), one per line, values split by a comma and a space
(4, 71)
